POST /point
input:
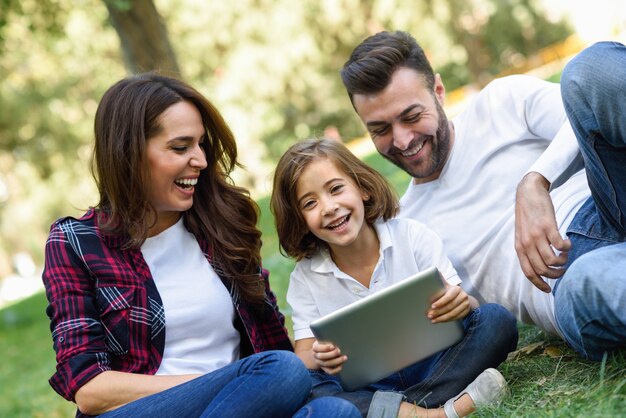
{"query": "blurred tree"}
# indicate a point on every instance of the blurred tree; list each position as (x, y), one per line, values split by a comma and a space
(143, 36)
(56, 57)
(495, 34)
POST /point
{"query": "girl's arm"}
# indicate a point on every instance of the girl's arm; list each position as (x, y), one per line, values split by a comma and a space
(453, 305)
(316, 355)
(110, 390)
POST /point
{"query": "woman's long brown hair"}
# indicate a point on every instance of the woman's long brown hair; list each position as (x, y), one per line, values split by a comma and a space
(222, 213)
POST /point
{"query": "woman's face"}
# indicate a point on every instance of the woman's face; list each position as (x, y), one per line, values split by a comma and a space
(176, 158)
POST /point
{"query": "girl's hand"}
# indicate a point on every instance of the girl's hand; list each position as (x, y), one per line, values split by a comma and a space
(455, 304)
(328, 357)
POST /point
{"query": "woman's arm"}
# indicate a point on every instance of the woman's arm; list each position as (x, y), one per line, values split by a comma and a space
(110, 390)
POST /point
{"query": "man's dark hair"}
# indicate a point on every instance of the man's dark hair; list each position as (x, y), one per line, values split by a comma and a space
(374, 61)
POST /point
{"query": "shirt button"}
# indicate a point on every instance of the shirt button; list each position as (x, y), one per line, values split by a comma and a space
(61, 339)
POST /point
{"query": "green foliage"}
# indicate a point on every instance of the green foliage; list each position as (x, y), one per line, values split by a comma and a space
(51, 76)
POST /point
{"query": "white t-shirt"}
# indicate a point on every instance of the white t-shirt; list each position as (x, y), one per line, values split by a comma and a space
(199, 314)
(515, 125)
(317, 287)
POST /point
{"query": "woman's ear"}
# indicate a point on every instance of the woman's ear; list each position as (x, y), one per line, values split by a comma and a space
(365, 196)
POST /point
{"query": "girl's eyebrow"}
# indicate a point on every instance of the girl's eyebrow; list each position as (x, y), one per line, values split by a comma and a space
(310, 193)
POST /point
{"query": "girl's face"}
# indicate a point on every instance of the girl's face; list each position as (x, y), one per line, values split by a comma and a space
(176, 158)
(331, 204)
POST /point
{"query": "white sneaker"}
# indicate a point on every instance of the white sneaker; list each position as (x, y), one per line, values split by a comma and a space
(489, 388)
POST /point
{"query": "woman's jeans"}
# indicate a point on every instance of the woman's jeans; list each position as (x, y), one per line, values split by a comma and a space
(272, 384)
(590, 297)
(490, 334)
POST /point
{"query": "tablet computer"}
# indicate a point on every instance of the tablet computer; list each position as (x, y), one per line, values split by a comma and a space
(388, 330)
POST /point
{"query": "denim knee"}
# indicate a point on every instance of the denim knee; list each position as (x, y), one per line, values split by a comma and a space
(577, 70)
(502, 322)
(589, 302)
(328, 407)
(286, 367)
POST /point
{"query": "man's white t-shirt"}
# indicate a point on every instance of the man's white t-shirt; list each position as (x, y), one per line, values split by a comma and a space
(200, 335)
(317, 287)
(515, 125)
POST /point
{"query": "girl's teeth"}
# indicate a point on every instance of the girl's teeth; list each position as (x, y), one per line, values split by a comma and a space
(342, 221)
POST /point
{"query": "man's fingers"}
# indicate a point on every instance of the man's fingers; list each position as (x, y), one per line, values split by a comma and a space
(531, 275)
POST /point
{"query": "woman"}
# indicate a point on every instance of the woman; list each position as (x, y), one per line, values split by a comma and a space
(158, 304)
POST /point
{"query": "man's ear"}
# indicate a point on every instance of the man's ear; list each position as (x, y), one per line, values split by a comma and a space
(440, 89)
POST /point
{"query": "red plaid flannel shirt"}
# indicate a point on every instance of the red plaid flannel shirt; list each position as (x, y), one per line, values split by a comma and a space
(106, 313)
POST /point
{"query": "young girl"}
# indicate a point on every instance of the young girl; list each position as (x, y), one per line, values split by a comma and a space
(333, 215)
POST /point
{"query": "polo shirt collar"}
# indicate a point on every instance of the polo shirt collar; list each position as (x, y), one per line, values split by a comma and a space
(323, 263)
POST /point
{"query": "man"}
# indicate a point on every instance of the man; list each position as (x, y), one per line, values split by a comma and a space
(502, 182)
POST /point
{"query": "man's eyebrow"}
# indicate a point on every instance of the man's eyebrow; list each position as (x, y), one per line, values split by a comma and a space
(411, 108)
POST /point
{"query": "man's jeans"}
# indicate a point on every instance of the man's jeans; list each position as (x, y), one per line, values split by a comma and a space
(490, 334)
(590, 298)
(272, 384)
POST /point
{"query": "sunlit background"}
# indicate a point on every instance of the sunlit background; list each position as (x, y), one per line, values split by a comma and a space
(271, 67)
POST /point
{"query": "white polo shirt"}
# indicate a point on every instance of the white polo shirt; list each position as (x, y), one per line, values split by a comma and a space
(317, 286)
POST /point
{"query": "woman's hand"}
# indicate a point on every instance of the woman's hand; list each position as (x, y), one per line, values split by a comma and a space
(328, 357)
(453, 305)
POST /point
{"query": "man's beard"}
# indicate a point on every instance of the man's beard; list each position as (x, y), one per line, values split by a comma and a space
(440, 149)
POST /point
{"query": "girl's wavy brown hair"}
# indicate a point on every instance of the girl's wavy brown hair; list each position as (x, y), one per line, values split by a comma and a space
(222, 214)
(294, 236)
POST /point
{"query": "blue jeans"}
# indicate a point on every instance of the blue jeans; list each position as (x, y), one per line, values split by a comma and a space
(490, 334)
(269, 384)
(589, 297)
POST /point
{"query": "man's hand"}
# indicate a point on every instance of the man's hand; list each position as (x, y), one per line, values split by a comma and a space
(453, 305)
(536, 234)
(328, 357)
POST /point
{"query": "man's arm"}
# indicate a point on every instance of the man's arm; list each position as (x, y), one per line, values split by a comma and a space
(536, 232)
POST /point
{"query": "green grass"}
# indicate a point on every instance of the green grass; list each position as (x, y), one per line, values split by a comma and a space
(27, 362)
(551, 381)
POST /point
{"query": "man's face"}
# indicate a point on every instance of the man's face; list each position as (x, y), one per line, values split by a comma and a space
(408, 124)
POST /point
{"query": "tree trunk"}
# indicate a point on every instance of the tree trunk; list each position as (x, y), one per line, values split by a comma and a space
(143, 36)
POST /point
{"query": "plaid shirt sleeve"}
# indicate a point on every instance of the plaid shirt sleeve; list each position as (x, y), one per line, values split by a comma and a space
(77, 333)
